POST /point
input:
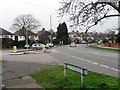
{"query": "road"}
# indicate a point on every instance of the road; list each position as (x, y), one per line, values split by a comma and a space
(101, 61)
(16, 66)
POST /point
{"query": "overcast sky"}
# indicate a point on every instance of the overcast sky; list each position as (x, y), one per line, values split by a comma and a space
(41, 10)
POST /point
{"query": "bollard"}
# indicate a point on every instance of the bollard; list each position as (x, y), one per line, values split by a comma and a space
(43, 48)
(14, 49)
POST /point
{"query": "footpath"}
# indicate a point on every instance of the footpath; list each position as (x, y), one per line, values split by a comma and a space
(28, 82)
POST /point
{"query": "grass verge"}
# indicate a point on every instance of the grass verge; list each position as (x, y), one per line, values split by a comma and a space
(53, 77)
(110, 49)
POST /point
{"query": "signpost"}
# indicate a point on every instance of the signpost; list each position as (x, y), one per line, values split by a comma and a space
(81, 70)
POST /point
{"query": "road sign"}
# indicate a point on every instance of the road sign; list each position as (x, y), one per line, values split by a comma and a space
(83, 71)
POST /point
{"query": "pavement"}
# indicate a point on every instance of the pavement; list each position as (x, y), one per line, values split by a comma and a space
(24, 82)
(17, 75)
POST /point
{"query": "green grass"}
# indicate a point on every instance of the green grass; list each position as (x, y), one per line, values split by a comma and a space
(53, 77)
(109, 49)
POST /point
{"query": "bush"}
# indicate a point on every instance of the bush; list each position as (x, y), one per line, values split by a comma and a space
(67, 42)
(7, 43)
(117, 40)
(55, 41)
(21, 44)
(105, 40)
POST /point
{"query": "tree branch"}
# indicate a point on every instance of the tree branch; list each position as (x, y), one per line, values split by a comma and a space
(107, 17)
(100, 20)
(109, 3)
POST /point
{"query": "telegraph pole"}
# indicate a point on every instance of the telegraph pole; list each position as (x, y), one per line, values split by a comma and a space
(50, 22)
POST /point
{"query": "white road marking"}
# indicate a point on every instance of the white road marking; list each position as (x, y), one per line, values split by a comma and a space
(73, 56)
(54, 50)
(2, 85)
(94, 63)
(104, 66)
(115, 69)
(87, 61)
(82, 59)
(77, 57)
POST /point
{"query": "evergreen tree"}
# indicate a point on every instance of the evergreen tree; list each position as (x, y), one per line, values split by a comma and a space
(62, 33)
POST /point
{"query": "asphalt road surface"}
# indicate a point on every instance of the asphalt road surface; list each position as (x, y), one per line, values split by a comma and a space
(17, 66)
(101, 61)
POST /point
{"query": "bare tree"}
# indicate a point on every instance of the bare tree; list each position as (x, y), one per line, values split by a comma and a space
(25, 24)
(88, 13)
(26, 21)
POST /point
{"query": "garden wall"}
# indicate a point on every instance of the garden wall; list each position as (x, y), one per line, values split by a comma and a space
(113, 45)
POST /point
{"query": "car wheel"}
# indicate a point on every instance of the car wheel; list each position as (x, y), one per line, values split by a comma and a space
(34, 48)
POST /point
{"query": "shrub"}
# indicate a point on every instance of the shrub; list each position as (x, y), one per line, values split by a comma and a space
(55, 41)
(105, 40)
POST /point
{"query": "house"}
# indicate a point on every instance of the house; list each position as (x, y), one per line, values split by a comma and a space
(78, 37)
(20, 36)
(44, 36)
(5, 38)
(5, 34)
(74, 36)
(87, 36)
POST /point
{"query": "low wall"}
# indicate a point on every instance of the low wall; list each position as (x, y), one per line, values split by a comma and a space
(113, 45)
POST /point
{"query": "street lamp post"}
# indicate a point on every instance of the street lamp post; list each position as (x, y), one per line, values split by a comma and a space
(50, 21)
(51, 27)
(26, 39)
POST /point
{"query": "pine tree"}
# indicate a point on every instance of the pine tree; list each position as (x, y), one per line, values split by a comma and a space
(62, 33)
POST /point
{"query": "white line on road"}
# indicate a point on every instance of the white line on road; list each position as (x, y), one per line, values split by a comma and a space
(82, 59)
(73, 56)
(77, 57)
(87, 61)
(94, 63)
(104, 66)
(115, 69)
(54, 50)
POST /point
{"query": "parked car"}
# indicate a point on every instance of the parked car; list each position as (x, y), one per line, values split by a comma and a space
(36, 46)
(27, 46)
(49, 45)
(100, 41)
(83, 42)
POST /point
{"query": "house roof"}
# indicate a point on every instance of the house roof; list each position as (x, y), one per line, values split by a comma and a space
(76, 34)
(19, 33)
(43, 32)
(4, 32)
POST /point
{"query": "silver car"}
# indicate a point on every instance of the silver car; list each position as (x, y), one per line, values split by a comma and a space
(36, 46)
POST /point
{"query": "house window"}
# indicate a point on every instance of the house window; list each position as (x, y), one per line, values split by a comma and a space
(20, 36)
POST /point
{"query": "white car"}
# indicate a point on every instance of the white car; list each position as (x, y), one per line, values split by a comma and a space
(83, 42)
(49, 45)
(27, 46)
